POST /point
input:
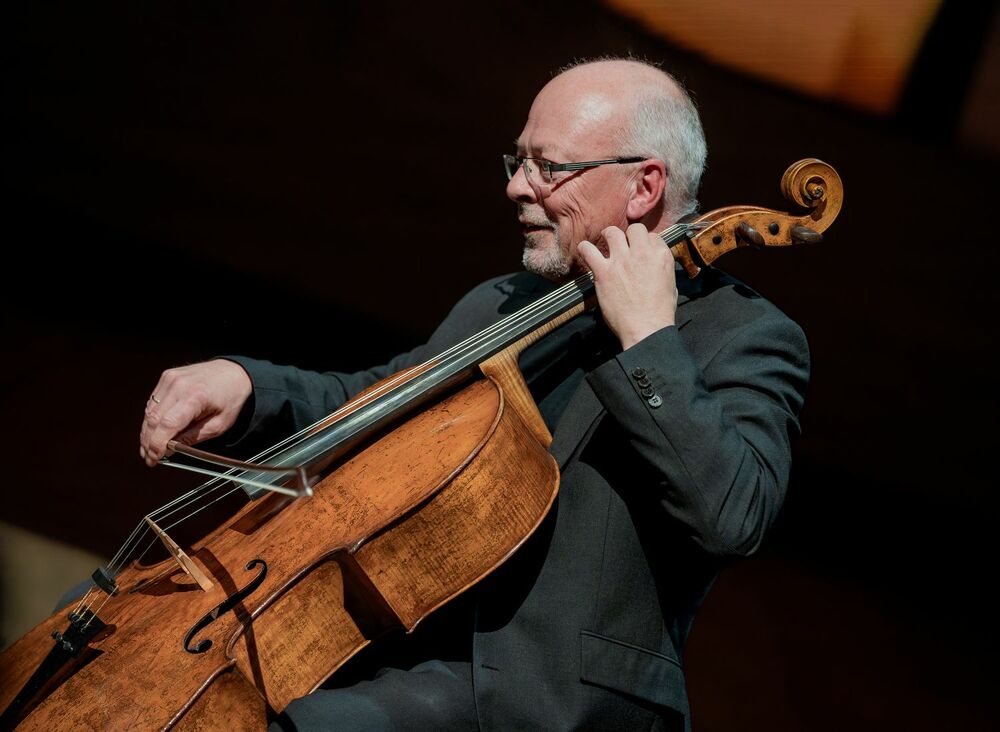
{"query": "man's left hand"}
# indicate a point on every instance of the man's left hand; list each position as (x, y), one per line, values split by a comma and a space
(636, 285)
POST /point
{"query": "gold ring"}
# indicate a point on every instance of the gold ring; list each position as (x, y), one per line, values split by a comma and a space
(153, 397)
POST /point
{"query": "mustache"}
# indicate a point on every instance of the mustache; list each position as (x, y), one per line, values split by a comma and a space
(530, 217)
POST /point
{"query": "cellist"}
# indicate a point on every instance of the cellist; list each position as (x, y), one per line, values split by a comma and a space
(672, 409)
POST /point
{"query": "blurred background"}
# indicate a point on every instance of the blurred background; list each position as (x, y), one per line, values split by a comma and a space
(317, 183)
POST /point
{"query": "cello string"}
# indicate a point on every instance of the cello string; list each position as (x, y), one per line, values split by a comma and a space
(217, 482)
(179, 521)
(95, 613)
(488, 336)
(157, 514)
(507, 325)
(203, 493)
(464, 347)
(491, 335)
(244, 481)
(495, 333)
(127, 551)
(83, 600)
(153, 541)
(142, 528)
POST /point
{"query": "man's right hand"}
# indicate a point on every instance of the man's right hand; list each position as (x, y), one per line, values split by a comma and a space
(191, 404)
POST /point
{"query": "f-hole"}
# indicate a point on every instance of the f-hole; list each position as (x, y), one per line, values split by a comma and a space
(223, 607)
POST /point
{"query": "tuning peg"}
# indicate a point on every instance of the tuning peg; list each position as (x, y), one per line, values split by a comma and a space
(749, 234)
(805, 235)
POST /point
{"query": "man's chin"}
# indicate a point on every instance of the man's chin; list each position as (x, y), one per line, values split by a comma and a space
(545, 263)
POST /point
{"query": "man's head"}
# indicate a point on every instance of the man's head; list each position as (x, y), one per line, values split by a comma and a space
(608, 109)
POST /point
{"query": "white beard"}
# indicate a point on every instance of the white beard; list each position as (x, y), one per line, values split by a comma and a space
(543, 254)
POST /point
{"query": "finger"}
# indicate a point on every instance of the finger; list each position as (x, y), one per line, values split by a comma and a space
(654, 243)
(161, 426)
(161, 390)
(617, 243)
(591, 255)
(637, 235)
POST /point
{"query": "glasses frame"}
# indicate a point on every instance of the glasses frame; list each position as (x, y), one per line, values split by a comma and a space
(513, 162)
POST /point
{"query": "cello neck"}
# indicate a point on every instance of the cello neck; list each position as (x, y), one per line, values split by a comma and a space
(329, 439)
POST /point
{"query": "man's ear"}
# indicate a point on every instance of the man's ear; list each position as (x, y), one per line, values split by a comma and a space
(647, 195)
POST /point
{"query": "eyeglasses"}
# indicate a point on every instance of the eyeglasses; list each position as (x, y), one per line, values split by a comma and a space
(540, 170)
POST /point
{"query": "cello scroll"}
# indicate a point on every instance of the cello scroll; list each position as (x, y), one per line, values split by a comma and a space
(809, 183)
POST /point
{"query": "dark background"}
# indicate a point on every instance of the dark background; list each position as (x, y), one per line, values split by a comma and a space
(318, 183)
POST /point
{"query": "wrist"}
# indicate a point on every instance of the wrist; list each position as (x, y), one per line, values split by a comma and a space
(639, 332)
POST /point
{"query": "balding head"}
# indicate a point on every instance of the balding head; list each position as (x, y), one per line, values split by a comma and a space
(647, 112)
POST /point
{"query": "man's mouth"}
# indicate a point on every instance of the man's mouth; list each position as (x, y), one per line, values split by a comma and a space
(530, 226)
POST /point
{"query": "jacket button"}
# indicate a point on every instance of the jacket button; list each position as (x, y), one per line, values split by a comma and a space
(655, 401)
(644, 381)
(647, 392)
(638, 372)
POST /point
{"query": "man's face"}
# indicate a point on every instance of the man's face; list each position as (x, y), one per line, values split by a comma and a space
(568, 124)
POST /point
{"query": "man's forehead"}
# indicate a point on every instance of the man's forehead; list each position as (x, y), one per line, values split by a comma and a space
(592, 110)
(559, 122)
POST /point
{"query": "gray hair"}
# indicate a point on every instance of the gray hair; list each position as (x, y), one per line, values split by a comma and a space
(665, 126)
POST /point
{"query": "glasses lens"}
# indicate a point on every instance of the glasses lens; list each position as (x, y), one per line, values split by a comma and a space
(535, 170)
(540, 172)
(510, 164)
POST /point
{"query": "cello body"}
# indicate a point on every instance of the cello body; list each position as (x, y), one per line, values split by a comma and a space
(394, 531)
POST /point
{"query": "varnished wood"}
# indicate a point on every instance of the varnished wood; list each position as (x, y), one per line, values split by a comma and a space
(810, 184)
(230, 703)
(301, 610)
(503, 370)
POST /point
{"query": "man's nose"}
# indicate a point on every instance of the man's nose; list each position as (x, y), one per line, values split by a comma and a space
(519, 189)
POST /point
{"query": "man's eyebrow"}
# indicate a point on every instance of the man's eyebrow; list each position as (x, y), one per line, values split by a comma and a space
(523, 150)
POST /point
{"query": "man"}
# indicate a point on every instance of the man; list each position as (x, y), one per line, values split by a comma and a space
(672, 414)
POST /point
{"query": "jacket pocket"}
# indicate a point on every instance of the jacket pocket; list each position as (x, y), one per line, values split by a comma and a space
(632, 670)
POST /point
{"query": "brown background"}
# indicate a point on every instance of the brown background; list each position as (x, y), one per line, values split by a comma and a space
(318, 183)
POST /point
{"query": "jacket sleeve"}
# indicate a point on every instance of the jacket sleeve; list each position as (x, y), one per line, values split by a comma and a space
(287, 399)
(717, 433)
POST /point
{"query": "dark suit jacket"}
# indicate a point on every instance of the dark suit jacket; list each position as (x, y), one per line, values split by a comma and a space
(585, 626)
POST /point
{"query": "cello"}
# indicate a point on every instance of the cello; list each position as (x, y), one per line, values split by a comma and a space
(363, 523)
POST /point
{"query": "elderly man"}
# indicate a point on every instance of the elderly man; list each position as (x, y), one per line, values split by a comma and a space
(672, 413)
